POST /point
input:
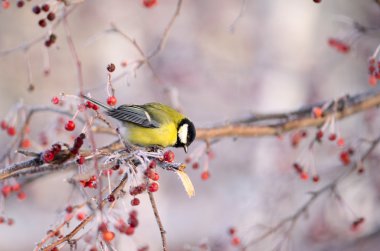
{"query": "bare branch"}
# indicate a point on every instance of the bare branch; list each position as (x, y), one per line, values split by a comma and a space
(158, 220)
(81, 225)
(314, 195)
(276, 124)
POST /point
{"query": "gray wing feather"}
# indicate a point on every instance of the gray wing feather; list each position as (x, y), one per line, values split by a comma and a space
(133, 114)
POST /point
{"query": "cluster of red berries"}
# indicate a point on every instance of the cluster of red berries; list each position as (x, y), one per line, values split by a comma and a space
(6, 191)
(11, 130)
(345, 156)
(303, 173)
(374, 71)
(90, 183)
(92, 106)
(136, 190)
(332, 137)
(205, 175)
(8, 221)
(339, 45)
(128, 228)
(44, 8)
(151, 173)
(149, 3)
(78, 142)
(235, 240)
(49, 155)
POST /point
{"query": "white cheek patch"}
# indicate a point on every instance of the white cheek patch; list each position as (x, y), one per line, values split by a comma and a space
(182, 133)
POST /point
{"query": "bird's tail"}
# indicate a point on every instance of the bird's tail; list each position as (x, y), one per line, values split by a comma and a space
(97, 102)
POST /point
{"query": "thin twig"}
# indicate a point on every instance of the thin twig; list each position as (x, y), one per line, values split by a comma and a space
(158, 220)
(89, 218)
(314, 195)
(165, 34)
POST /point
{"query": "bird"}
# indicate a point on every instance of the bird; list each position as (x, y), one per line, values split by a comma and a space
(152, 124)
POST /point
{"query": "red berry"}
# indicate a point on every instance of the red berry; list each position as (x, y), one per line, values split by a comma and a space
(50, 16)
(6, 190)
(48, 156)
(129, 230)
(319, 135)
(195, 165)
(372, 80)
(340, 142)
(6, 4)
(70, 125)
(169, 156)
(111, 67)
(20, 4)
(235, 241)
(2, 219)
(153, 187)
(332, 136)
(45, 7)
(318, 112)
(69, 209)
(81, 216)
(10, 222)
(25, 143)
(156, 177)
(42, 23)
(4, 125)
(133, 222)
(133, 214)
(108, 236)
(317, 1)
(111, 100)
(16, 187)
(55, 100)
(21, 195)
(304, 175)
(149, 3)
(80, 160)
(11, 131)
(111, 198)
(315, 178)
(56, 148)
(205, 175)
(345, 158)
(135, 202)
(36, 9)
(231, 230)
(152, 164)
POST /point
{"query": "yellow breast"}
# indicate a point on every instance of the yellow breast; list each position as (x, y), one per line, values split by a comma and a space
(164, 136)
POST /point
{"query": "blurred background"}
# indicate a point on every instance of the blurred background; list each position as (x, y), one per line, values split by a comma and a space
(222, 61)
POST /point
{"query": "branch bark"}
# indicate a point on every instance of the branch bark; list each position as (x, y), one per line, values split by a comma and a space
(279, 123)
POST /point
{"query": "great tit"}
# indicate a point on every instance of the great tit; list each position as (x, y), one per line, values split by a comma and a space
(152, 124)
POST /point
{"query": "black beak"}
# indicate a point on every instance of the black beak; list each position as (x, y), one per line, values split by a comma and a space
(185, 148)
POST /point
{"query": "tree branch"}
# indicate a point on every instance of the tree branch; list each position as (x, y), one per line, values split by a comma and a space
(276, 124)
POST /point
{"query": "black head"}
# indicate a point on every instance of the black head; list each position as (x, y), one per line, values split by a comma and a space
(185, 134)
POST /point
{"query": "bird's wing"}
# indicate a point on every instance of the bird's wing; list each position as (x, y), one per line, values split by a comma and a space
(133, 114)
